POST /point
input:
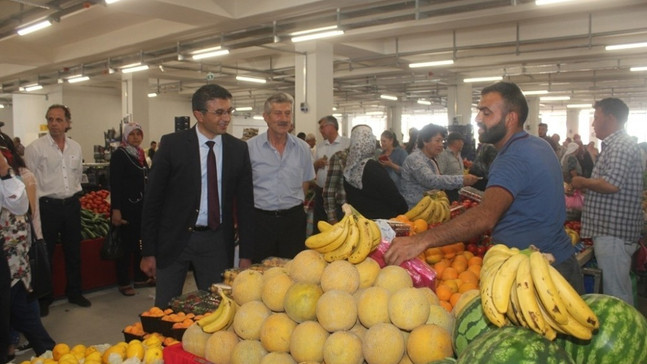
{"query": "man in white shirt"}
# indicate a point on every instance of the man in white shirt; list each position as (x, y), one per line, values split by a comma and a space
(56, 161)
(332, 143)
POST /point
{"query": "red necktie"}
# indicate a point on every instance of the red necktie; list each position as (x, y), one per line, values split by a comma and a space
(213, 205)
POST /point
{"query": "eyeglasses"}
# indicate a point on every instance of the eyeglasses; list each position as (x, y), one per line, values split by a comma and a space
(221, 112)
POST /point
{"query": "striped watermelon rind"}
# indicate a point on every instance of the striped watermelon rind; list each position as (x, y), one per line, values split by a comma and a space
(470, 324)
(621, 338)
(513, 345)
(444, 361)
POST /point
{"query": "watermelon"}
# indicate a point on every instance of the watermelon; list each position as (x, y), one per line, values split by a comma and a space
(513, 345)
(470, 323)
(444, 361)
(621, 338)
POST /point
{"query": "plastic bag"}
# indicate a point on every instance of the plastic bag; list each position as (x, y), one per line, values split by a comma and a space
(112, 248)
(574, 201)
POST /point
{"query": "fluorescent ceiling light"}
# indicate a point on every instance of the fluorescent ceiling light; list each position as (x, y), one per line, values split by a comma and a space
(536, 92)
(374, 113)
(215, 53)
(251, 79)
(314, 30)
(34, 27)
(579, 106)
(108, 2)
(31, 87)
(431, 64)
(1, 106)
(548, 2)
(483, 79)
(638, 69)
(78, 78)
(328, 34)
(258, 117)
(244, 108)
(555, 98)
(141, 67)
(389, 97)
(424, 102)
(337, 115)
(152, 94)
(616, 47)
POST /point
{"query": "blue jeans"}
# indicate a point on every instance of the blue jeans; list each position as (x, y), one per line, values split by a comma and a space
(25, 318)
(614, 258)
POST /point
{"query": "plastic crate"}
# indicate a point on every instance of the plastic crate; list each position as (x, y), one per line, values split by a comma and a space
(592, 279)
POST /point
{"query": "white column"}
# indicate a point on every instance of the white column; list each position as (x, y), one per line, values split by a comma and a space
(314, 86)
(459, 104)
(573, 123)
(532, 122)
(134, 99)
(393, 121)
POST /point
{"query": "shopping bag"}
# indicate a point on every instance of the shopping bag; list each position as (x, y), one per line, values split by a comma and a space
(41, 272)
(112, 248)
(574, 201)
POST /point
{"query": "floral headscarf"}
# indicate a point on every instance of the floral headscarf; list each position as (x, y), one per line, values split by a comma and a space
(362, 148)
(136, 152)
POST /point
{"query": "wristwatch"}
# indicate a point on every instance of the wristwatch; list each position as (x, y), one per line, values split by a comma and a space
(8, 175)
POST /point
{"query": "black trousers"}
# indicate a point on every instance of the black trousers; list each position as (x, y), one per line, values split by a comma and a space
(130, 237)
(280, 235)
(62, 218)
(5, 305)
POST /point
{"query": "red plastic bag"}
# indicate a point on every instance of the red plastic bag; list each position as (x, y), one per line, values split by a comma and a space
(421, 273)
(574, 201)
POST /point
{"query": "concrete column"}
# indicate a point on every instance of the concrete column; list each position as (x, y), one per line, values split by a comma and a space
(134, 99)
(532, 122)
(393, 121)
(459, 104)
(314, 86)
(573, 123)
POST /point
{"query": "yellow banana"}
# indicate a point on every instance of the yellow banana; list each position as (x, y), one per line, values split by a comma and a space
(325, 237)
(487, 278)
(376, 234)
(206, 320)
(549, 320)
(335, 244)
(527, 300)
(364, 244)
(510, 314)
(493, 260)
(323, 225)
(418, 208)
(497, 249)
(576, 329)
(503, 279)
(545, 288)
(436, 213)
(426, 213)
(345, 249)
(575, 305)
(514, 302)
(446, 212)
(227, 308)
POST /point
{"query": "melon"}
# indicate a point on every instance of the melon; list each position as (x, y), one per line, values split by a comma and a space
(513, 345)
(220, 347)
(248, 352)
(336, 310)
(278, 358)
(276, 332)
(393, 277)
(431, 295)
(194, 340)
(247, 286)
(274, 289)
(307, 342)
(300, 301)
(438, 315)
(470, 324)
(373, 306)
(341, 275)
(249, 318)
(343, 347)
(408, 308)
(368, 270)
(307, 267)
(383, 344)
(429, 342)
(621, 337)
(273, 271)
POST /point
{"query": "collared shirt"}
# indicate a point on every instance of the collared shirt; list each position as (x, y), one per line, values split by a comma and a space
(58, 172)
(203, 215)
(419, 174)
(616, 214)
(449, 163)
(326, 148)
(278, 179)
(333, 192)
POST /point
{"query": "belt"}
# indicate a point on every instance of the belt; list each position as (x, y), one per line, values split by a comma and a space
(200, 228)
(59, 201)
(279, 213)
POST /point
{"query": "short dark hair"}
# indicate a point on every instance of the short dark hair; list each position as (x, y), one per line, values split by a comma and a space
(543, 124)
(428, 132)
(301, 135)
(329, 119)
(613, 106)
(391, 135)
(513, 98)
(66, 110)
(453, 136)
(207, 93)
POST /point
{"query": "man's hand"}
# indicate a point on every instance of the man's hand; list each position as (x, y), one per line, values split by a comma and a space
(404, 248)
(321, 163)
(148, 265)
(579, 182)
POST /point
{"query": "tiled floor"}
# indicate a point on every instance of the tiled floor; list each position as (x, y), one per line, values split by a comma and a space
(110, 313)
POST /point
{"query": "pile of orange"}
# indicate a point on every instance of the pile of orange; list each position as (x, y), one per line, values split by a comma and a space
(457, 271)
(415, 226)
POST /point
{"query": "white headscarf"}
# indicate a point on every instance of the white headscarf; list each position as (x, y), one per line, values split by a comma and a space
(362, 148)
(571, 148)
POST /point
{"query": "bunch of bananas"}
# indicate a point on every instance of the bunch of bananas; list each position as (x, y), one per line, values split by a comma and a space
(573, 234)
(433, 208)
(222, 317)
(522, 288)
(353, 238)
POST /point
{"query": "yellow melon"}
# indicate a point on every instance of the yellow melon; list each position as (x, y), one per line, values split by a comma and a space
(220, 346)
(307, 266)
(341, 275)
(274, 290)
(405, 359)
(343, 347)
(368, 271)
(248, 352)
(358, 329)
(336, 310)
(431, 295)
(428, 343)
(249, 318)
(300, 301)
(247, 286)
(439, 316)
(278, 358)
(271, 272)
(276, 331)
(194, 340)
(307, 342)
(408, 308)
(383, 344)
(393, 277)
(373, 306)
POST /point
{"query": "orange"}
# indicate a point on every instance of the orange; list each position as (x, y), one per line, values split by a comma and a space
(440, 266)
(468, 277)
(459, 263)
(443, 292)
(454, 298)
(447, 249)
(466, 286)
(433, 258)
(420, 225)
(468, 255)
(449, 273)
(459, 247)
(433, 251)
(446, 305)
(452, 285)
(476, 269)
(475, 261)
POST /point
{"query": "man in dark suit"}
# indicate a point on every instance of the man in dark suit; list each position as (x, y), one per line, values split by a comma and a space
(178, 227)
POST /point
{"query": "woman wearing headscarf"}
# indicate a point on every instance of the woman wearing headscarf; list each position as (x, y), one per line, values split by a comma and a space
(128, 171)
(571, 166)
(392, 155)
(420, 171)
(369, 189)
